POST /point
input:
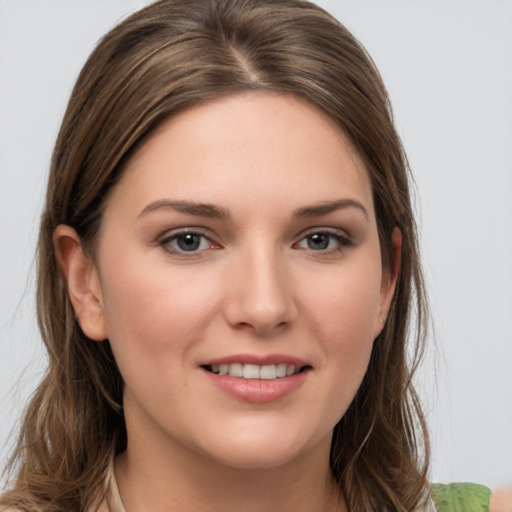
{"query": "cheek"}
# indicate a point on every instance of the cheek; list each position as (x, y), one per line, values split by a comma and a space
(155, 309)
(345, 304)
(342, 313)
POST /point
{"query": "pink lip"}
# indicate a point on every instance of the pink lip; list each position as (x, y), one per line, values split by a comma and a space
(257, 390)
(260, 360)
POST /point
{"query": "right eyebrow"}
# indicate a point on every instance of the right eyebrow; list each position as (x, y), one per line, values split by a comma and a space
(327, 207)
(188, 207)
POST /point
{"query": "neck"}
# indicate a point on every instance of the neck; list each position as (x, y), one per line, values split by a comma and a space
(186, 481)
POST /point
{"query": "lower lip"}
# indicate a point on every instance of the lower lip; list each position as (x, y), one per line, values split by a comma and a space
(258, 390)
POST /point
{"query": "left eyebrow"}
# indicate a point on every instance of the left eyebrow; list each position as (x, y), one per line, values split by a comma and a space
(328, 207)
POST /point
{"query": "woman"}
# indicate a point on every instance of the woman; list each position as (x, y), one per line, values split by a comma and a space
(227, 262)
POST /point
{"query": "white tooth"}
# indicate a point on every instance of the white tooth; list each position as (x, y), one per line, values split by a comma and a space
(215, 368)
(251, 371)
(236, 370)
(290, 370)
(268, 372)
(223, 369)
(281, 370)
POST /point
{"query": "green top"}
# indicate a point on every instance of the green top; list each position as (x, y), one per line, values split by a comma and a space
(461, 497)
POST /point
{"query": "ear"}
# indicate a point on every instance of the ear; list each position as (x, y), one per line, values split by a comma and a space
(389, 279)
(82, 279)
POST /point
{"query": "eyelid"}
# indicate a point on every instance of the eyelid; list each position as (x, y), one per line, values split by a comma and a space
(337, 232)
(169, 233)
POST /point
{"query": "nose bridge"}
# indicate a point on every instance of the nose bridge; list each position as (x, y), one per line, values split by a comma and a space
(262, 293)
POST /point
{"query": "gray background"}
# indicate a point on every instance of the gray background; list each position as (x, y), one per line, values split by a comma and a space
(448, 68)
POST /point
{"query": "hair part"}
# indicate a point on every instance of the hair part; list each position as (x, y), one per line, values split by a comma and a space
(159, 61)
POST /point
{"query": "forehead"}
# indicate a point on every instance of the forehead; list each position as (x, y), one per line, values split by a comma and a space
(259, 146)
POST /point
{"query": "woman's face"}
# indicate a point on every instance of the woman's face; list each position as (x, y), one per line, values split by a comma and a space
(241, 239)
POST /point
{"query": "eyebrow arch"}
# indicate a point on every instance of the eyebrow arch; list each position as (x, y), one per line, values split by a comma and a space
(187, 207)
(328, 207)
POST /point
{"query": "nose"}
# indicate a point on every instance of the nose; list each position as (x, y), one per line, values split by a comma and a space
(260, 294)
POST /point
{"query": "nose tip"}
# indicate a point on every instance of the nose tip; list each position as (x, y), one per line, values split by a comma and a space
(260, 299)
(263, 318)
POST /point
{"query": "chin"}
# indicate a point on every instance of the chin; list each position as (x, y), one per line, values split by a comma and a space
(263, 449)
(257, 458)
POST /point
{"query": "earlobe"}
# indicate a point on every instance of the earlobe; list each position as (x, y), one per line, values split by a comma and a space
(390, 277)
(82, 280)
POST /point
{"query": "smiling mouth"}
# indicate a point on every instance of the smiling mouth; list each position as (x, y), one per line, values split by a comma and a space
(256, 372)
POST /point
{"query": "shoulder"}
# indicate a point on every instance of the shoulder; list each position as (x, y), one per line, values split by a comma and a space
(501, 500)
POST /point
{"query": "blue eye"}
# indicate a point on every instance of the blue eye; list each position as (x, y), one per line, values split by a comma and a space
(324, 241)
(319, 241)
(186, 242)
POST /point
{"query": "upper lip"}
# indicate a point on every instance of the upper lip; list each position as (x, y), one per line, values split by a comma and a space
(260, 360)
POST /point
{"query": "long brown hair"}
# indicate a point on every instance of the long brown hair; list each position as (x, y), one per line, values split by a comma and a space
(158, 61)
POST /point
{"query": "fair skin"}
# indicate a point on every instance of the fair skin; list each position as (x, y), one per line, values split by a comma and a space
(241, 232)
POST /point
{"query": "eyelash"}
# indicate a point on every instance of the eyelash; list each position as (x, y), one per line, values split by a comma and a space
(341, 241)
(166, 242)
